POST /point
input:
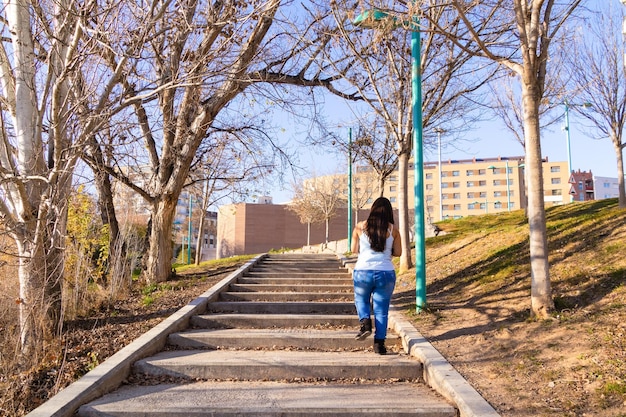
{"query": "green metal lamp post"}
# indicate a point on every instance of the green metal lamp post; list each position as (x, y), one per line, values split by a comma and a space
(349, 189)
(369, 19)
(567, 105)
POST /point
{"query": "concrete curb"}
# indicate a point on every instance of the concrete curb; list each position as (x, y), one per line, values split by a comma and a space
(438, 373)
(111, 373)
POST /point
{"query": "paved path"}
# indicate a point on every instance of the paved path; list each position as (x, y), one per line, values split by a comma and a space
(276, 338)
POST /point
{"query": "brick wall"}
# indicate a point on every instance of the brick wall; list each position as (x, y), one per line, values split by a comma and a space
(257, 228)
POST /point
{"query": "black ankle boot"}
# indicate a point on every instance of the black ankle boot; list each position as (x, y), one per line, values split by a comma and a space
(379, 346)
(366, 329)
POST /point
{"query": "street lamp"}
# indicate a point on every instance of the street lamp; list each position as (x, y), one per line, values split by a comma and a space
(350, 189)
(439, 131)
(190, 230)
(508, 184)
(567, 137)
(371, 19)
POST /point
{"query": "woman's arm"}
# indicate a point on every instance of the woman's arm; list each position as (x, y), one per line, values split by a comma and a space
(397, 243)
(354, 247)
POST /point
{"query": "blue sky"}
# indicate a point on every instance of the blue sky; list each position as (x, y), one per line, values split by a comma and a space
(487, 139)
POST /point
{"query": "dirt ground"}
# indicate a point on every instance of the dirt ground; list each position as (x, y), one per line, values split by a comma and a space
(478, 317)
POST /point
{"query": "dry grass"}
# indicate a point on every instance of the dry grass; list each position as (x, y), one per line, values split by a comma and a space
(478, 313)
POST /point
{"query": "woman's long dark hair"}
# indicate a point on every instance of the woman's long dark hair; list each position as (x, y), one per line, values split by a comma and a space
(378, 221)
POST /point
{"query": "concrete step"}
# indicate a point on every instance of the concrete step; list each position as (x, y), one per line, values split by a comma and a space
(298, 275)
(278, 365)
(310, 339)
(270, 399)
(298, 272)
(281, 279)
(286, 307)
(255, 321)
(292, 287)
(310, 269)
(285, 296)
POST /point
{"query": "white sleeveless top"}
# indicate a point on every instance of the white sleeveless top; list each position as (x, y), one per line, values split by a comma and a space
(371, 260)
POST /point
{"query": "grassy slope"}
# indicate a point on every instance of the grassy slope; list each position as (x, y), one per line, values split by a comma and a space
(478, 311)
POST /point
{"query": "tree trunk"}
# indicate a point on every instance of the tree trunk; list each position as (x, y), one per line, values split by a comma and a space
(308, 233)
(40, 271)
(117, 246)
(541, 292)
(327, 221)
(406, 262)
(159, 265)
(31, 266)
(620, 173)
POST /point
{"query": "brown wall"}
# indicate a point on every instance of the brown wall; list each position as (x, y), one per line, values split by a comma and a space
(257, 228)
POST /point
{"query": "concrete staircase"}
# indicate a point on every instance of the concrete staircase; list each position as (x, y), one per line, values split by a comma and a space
(277, 342)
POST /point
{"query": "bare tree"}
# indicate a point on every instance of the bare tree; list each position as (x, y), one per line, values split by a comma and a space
(381, 72)
(43, 131)
(599, 79)
(304, 205)
(198, 60)
(324, 195)
(517, 34)
(225, 170)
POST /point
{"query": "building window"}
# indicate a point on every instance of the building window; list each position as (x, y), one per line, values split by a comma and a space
(471, 195)
(392, 189)
(472, 206)
(470, 183)
(392, 199)
(556, 180)
(482, 172)
(429, 198)
(497, 205)
(580, 185)
(457, 207)
(429, 176)
(497, 193)
(456, 196)
(555, 169)
(469, 172)
(429, 186)
(482, 183)
(444, 185)
(607, 185)
(455, 173)
(557, 192)
(444, 196)
(444, 174)
(393, 178)
(456, 184)
(496, 182)
(483, 194)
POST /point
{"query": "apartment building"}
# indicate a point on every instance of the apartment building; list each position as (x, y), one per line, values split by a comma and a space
(605, 187)
(458, 188)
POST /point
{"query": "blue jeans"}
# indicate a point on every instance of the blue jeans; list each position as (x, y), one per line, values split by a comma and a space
(374, 288)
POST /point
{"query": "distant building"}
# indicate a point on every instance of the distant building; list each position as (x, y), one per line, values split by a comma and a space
(605, 187)
(247, 228)
(581, 186)
(459, 188)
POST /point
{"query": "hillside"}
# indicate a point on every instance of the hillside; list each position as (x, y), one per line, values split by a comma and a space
(478, 312)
